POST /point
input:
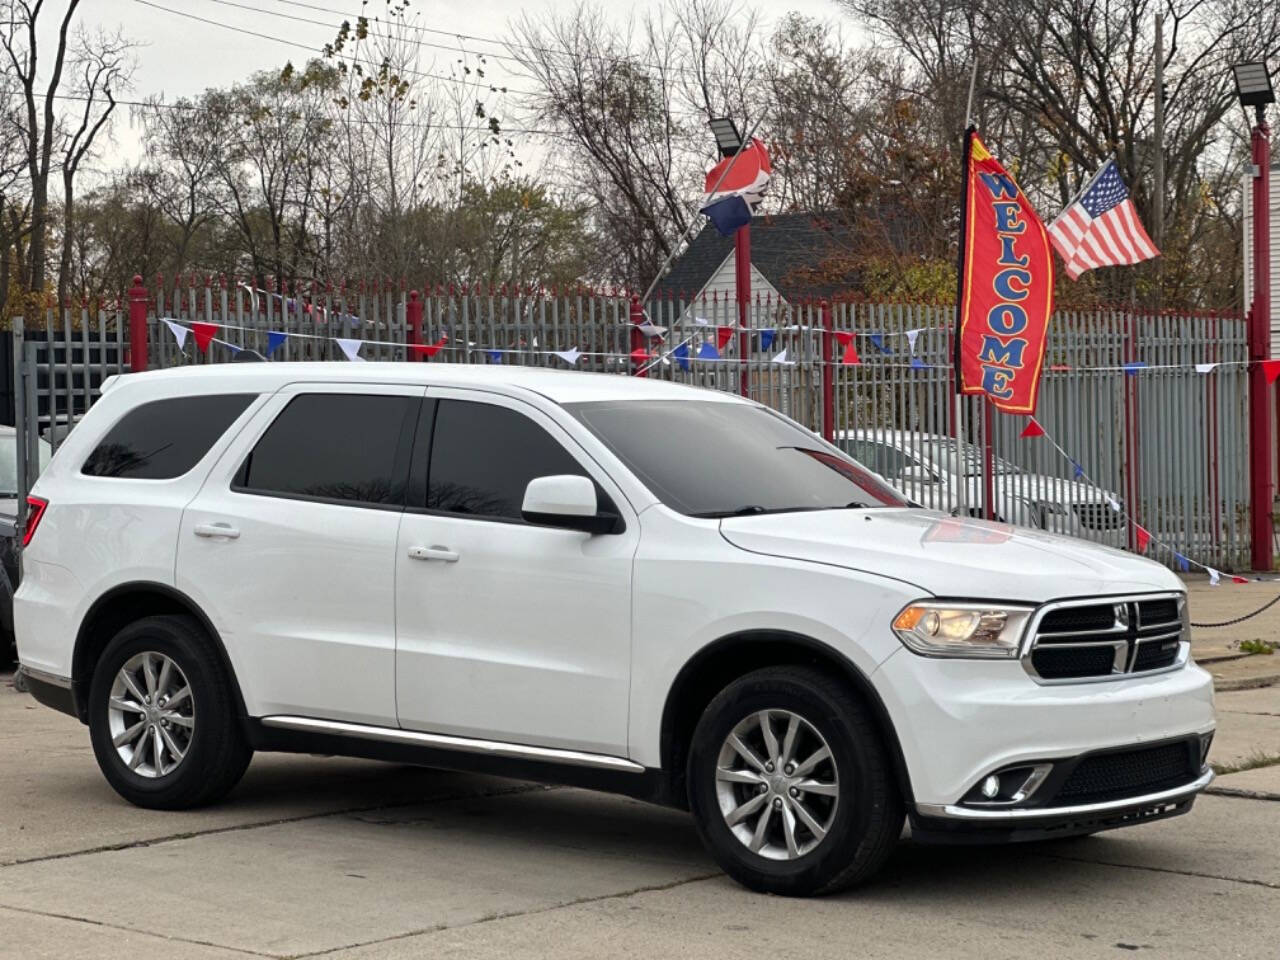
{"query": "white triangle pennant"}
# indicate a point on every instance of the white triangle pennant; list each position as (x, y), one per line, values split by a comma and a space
(1205, 367)
(781, 357)
(1113, 503)
(701, 321)
(569, 356)
(911, 339)
(1214, 576)
(351, 348)
(651, 329)
(179, 332)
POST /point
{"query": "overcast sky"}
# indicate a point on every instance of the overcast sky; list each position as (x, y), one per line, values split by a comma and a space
(182, 56)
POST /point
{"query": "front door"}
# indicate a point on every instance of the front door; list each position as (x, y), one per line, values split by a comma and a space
(290, 546)
(506, 630)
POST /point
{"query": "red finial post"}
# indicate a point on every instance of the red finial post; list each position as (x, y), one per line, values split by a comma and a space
(138, 299)
(828, 374)
(413, 324)
(638, 341)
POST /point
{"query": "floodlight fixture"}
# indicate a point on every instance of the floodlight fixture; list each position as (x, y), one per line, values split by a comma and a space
(728, 139)
(1253, 84)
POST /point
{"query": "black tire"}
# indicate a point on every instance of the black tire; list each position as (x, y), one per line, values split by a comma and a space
(217, 754)
(867, 817)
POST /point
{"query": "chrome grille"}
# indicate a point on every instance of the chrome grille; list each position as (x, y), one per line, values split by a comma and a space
(1097, 516)
(1104, 638)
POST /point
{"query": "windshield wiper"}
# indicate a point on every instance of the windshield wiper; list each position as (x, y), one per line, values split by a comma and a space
(748, 510)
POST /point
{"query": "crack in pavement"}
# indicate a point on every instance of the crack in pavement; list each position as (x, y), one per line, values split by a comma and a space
(146, 933)
(1182, 873)
(532, 912)
(275, 822)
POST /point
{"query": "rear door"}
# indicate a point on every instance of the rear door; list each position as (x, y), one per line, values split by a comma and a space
(290, 547)
(507, 630)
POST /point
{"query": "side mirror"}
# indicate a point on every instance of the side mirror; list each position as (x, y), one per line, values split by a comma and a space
(566, 501)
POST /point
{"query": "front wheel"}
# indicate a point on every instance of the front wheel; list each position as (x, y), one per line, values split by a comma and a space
(790, 786)
(162, 716)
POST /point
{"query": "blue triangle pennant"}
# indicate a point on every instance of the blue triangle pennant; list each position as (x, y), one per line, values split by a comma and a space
(1077, 471)
(495, 356)
(878, 340)
(681, 353)
(766, 339)
(918, 364)
(1183, 563)
(274, 339)
(708, 351)
(1131, 368)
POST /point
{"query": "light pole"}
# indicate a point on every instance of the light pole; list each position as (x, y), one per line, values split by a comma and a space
(1253, 85)
(729, 142)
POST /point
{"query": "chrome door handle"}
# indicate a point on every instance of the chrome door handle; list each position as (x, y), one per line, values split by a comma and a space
(435, 552)
(216, 530)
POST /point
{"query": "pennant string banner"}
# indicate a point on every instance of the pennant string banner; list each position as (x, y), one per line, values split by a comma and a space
(1143, 538)
(767, 338)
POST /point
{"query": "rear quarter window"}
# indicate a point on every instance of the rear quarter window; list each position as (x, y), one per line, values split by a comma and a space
(164, 439)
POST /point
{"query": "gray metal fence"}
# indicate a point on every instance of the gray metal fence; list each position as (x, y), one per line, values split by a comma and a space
(1138, 429)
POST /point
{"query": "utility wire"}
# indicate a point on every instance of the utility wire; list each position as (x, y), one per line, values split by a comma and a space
(302, 46)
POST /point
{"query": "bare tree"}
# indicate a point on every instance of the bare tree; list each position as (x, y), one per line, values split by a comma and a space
(100, 62)
(629, 104)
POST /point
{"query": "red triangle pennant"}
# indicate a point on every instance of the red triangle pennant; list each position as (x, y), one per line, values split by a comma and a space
(1032, 429)
(1144, 538)
(1271, 370)
(204, 334)
(428, 350)
(1239, 579)
(723, 336)
(640, 356)
(850, 353)
(844, 337)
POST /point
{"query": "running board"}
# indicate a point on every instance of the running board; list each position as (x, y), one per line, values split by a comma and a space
(492, 748)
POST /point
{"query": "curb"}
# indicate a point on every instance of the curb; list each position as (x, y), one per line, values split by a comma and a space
(1243, 794)
(1245, 683)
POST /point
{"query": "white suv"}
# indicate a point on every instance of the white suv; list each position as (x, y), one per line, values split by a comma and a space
(635, 586)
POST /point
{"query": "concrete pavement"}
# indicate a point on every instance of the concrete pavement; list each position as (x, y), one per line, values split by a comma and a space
(347, 859)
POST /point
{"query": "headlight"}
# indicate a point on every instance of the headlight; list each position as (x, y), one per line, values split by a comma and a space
(972, 630)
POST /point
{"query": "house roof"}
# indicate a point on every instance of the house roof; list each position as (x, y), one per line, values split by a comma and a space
(780, 244)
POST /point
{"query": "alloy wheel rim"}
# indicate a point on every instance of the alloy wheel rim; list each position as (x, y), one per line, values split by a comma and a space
(151, 715)
(777, 784)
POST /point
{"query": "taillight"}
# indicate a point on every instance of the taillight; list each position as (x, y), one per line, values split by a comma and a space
(36, 507)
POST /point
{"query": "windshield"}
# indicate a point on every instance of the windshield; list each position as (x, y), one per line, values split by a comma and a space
(942, 451)
(9, 464)
(716, 459)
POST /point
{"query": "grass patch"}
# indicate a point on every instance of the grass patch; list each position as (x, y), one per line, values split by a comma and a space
(1264, 647)
(1252, 762)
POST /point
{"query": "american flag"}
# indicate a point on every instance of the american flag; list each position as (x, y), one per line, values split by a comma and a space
(1101, 228)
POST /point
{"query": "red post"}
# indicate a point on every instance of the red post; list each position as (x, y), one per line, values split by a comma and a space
(413, 324)
(638, 340)
(1260, 452)
(828, 374)
(742, 286)
(138, 300)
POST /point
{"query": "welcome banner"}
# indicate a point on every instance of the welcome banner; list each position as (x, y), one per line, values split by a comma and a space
(1006, 286)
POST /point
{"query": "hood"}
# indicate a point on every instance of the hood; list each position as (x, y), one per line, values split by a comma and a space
(951, 556)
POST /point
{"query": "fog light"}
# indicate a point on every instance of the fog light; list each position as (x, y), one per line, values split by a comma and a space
(991, 787)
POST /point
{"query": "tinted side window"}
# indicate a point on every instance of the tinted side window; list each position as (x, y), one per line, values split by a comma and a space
(483, 457)
(334, 446)
(165, 438)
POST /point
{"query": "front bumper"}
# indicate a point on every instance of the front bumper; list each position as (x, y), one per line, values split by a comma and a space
(959, 721)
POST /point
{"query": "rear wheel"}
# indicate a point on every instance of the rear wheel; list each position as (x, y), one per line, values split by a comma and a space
(162, 716)
(790, 786)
